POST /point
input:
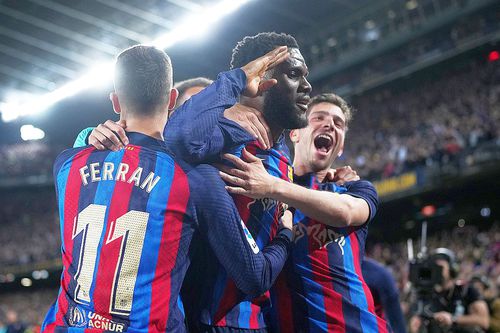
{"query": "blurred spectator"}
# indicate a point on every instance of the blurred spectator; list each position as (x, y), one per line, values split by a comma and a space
(425, 124)
(30, 226)
(27, 308)
(27, 159)
(14, 325)
(495, 315)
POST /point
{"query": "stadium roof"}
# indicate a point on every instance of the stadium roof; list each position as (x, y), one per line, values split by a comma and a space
(48, 44)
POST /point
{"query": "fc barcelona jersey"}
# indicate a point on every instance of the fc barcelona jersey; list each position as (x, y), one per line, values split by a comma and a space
(127, 221)
(321, 288)
(222, 304)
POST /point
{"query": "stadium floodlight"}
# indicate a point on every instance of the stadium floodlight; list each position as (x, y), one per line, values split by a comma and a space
(194, 25)
(30, 132)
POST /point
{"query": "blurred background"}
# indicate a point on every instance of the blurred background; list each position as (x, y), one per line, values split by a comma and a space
(423, 75)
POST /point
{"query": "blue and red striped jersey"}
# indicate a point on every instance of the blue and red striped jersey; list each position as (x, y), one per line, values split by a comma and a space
(222, 304)
(199, 131)
(321, 288)
(127, 221)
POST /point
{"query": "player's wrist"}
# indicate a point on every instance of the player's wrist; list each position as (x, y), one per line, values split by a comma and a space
(285, 232)
(276, 187)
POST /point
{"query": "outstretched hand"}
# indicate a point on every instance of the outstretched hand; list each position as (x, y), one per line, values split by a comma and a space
(255, 70)
(248, 176)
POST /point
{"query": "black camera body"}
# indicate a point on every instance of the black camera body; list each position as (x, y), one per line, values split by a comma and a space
(425, 274)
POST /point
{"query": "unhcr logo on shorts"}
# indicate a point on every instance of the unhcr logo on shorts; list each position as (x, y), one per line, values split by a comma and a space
(77, 318)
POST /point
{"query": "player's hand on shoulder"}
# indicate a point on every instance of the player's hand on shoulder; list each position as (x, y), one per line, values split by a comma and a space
(256, 69)
(110, 135)
(248, 176)
(252, 121)
(342, 175)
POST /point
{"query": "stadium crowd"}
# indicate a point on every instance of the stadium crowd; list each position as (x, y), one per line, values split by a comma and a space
(425, 124)
(29, 227)
(396, 129)
(327, 49)
(27, 159)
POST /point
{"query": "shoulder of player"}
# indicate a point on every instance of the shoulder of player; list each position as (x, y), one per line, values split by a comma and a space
(359, 184)
(69, 154)
(201, 172)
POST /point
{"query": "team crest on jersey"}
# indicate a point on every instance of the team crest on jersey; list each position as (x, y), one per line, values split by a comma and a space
(267, 203)
(290, 173)
(83, 318)
(320, 234)
(77, 317)
(250, 240)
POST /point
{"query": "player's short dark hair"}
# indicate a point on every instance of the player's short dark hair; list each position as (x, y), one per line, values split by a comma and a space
(335, 100)
(143, 78)
(182, 86)
(252, 47)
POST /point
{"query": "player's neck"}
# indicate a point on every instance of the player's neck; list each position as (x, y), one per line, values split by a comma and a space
(301, 168)
(276, 132)
(151, 127)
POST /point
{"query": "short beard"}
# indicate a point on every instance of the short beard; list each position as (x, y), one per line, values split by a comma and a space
(282, 113)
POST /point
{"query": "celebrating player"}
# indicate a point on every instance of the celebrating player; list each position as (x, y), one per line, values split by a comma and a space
(323, 289)
(199, 131)
(128, 216)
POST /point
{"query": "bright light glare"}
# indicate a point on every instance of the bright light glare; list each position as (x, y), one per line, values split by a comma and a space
(96, 77)
(198, 24)
(30, 132)
(195, 25)
(25, 282)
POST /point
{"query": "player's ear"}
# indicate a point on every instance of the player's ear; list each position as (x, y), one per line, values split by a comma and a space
(116, 103)
(174, 93)
(341, 151)
(295, 135)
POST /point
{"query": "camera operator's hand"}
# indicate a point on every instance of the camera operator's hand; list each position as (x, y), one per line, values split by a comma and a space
(415, 324)
(443, 318)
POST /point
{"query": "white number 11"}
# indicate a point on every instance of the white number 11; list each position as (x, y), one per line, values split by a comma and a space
(131, 227)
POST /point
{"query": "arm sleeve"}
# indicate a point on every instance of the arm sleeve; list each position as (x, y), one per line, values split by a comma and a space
(382, 282)
(389, 297)
(198, 130)
(364, 190)
(252, 270)
(83, 137)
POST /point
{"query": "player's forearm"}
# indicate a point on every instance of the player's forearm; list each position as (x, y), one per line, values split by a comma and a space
(198, 130)
(326, 207)
(255, 273)
(481, 320)
(275, 255)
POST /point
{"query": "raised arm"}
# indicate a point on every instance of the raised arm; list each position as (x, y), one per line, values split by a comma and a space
(209, 123)
(200, 129)
(253, 270)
